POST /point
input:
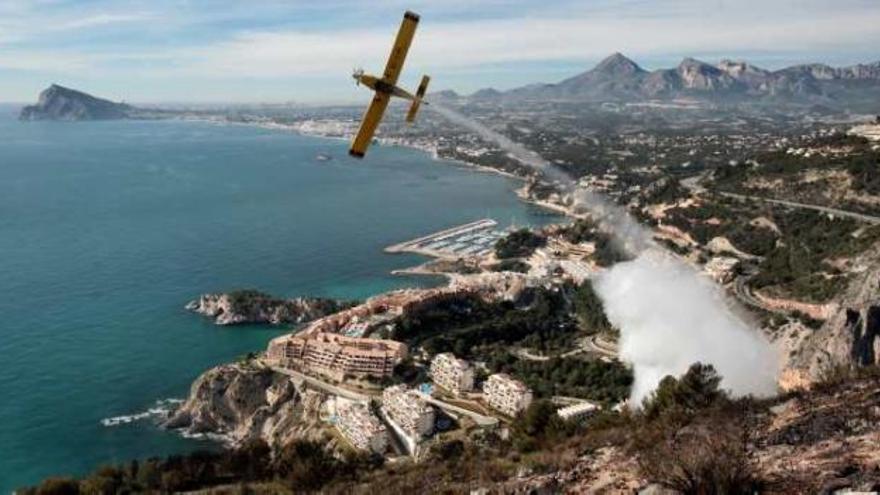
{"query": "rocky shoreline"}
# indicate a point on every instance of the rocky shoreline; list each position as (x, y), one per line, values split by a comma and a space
(242, 402)
(254, 307)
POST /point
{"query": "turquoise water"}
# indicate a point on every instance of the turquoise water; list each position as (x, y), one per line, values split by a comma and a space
(107, 229)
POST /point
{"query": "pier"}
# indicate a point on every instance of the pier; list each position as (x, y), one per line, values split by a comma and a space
(471, 239)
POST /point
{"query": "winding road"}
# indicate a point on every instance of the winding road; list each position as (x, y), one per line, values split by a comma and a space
(742, 291)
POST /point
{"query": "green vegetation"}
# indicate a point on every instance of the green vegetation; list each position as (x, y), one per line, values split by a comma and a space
(665, 190)
(519, 244)
(253, 302)
(695, 390)
(301, 466)
(865, 171)
(810, 239)
(586, 230)
(544, 322)
(511, 265)
(690, 436)
(718, 219)
(470, 327)
(590, 311)
(693, 438)
(607, 251)
(539, 427)
(582, 230)
(594, 379)
(852, 154)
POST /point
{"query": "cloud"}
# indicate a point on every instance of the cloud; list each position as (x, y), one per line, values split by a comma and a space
(472, 44)
(272, 41)
(102, 19)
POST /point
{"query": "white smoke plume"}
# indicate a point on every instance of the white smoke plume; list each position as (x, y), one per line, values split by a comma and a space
(669, 315)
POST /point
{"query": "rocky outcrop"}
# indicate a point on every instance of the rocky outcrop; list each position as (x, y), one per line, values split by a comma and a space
(851, 336)
(60, 103)
(242, 402)
(250, 306)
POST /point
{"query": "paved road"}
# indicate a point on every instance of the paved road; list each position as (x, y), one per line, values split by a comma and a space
(692, 183)
(477, 417)
(350, 394)
(742, 291)
(596, 345)
(793, 204)
(322, 385)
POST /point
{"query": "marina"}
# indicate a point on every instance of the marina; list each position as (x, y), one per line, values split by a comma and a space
(474, 239)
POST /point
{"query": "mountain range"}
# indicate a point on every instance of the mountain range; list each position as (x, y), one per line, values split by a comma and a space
(619, 78)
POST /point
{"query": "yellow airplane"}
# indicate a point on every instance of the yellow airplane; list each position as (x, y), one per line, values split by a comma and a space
(386, 87)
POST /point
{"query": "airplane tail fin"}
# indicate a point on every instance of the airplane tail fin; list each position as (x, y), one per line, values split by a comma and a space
(417, 101)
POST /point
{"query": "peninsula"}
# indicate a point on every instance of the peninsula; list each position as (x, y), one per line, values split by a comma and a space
(60, 103)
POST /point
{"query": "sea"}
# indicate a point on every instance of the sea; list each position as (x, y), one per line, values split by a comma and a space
(107, 229)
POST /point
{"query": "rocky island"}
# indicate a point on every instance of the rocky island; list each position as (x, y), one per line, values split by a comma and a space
(255, 307)
(60, 103)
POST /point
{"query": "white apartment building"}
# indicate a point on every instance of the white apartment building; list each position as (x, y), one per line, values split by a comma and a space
(360, 427)
(453, 374)
(577, 411)
(406, 408)
(506, 394)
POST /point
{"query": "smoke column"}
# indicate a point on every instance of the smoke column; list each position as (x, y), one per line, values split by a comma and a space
(669, 315)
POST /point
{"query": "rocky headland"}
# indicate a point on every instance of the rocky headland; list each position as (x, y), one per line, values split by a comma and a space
(60, 103)
(255, 307)
(245, 401)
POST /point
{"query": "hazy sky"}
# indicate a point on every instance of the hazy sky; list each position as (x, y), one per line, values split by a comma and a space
(293, 50)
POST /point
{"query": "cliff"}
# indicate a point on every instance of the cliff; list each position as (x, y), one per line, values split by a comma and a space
(250, 306)
(851, 336)
(60, 103)
(244, 402)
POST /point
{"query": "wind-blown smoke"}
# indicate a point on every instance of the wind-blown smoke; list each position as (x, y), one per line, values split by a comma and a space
(519, 152)
(668, 314)
(670, 317)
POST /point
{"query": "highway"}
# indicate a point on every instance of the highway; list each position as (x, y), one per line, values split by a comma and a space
(793, 204)
(693, 184)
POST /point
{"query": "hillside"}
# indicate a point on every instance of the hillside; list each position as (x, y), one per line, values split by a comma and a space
(690, 438)
(60, 103)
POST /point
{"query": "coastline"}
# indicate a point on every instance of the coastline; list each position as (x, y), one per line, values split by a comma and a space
(383, 141)
(303, 129)
(424, 268)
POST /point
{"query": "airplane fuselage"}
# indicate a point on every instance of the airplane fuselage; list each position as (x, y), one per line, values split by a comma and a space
(382, 86)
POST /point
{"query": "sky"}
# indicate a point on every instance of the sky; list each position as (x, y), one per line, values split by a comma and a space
(273, 51)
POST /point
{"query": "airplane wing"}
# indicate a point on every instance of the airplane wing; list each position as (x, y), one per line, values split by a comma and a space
(369, 123)
(401, 47)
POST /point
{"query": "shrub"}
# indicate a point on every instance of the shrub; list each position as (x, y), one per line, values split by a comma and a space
(589, 309)
(706, 456)
(697, 389)
(518, 244)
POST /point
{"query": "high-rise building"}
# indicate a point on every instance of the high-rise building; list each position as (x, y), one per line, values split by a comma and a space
(408, 410)
(453, 374)
(506, 394)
